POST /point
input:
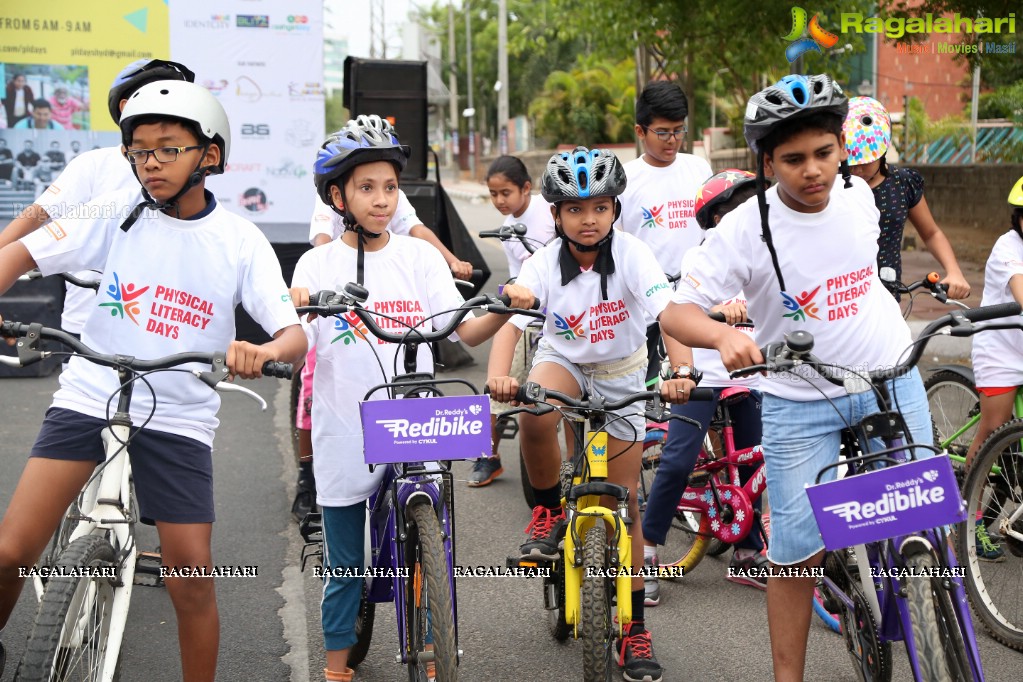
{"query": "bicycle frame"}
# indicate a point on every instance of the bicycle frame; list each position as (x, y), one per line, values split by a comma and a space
(885, 594)
(739, 497)
(403, 483)
(972, 421)
(583, 511)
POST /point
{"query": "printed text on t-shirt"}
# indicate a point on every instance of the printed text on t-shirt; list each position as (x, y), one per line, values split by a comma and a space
(604, 316)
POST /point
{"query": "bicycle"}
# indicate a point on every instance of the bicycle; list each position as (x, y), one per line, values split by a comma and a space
(889, 569)
(594, 567)
(83, 608)
(411, 514)
(507, 428)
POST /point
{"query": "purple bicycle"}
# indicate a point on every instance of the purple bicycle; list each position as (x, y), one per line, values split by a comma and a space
(889, 570)
(411, 514)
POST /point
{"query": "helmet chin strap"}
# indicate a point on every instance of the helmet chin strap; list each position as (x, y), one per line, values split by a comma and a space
(194, 178)
(363, 234)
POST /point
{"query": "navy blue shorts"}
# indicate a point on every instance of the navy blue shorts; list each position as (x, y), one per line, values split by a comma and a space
(173, 474)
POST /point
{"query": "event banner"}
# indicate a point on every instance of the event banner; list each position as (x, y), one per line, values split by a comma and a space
(264, 60)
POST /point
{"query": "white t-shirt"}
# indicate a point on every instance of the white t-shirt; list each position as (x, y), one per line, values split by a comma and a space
(539, 224)
(327, 221)
(829, 261)
(407, 279)
(87, 176)
(658, 206)
(580, 325)
(998, 353)
(708, 360)
(169, 286)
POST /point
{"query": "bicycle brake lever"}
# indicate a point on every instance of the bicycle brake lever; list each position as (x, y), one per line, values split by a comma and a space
(235, 388)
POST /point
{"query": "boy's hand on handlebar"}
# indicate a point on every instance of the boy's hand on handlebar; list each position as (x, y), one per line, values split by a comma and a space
(520, 296)
(956, 286)
(503, 389)
(738, 350)
(461, 269)
(246, 359)
(299, 298)
(677, 391)
(735, 313)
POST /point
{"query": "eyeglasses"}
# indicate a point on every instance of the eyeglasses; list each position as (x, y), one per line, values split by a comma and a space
(137, 157)
(665, 135)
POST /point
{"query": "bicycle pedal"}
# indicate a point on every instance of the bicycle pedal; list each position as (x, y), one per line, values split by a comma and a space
(311, 527)
(147, 569)
(519, 562)
(312, 550)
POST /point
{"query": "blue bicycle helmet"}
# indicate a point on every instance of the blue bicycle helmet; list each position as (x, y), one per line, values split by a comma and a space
(352, 146)
(582, 174)
(139, 73)
(791, 97)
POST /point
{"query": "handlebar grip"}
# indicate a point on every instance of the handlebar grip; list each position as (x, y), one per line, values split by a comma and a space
(505, 299)
(279, 370)
(992, 312)
(717, 317)
(701, 394)
(490, 233)
(477, 273)
(9, 328)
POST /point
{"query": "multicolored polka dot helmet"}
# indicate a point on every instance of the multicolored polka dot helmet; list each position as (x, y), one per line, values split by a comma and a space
(868, 130)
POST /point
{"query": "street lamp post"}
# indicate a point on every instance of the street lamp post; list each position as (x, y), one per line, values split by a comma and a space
(470, 112)
(714, 98)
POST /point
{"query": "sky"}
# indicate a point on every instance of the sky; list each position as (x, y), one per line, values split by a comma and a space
(351, 17)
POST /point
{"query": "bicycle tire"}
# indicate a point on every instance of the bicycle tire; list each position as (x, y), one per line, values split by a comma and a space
(595, 607)
(931, 655)
(363, 629)
(953, 400)
(994, 588)
(48, 655)
(556, 623)
(429, 569)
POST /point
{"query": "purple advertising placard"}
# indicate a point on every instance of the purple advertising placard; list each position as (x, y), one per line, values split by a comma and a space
(426, 429)
(882, 504)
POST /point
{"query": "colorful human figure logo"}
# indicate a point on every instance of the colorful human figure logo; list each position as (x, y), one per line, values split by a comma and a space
(124, 299)
(802, 306)
(652, 217)
(351, 329)
(570, 326)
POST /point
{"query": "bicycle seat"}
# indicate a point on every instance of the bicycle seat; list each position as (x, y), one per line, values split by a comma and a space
(733, 394)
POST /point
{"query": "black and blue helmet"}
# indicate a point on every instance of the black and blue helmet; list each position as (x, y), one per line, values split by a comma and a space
(582, 174)
(352, 146)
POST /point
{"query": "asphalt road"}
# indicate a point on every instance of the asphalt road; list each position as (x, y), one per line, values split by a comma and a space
(705, 628)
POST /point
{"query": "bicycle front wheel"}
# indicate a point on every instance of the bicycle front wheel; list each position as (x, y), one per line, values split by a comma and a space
(69, 636)
(595, 607)
(940, 647)
(429, 616)
(991, 556)
(953, 401)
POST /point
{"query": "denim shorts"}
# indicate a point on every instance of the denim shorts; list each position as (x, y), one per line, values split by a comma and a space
(631, 424)
(173, 474)
(801, 438)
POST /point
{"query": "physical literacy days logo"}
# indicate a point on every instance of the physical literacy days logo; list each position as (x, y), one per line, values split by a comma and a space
(652, 217)
(802, 306)
(807, 37)
(124, 299)
(570, 326)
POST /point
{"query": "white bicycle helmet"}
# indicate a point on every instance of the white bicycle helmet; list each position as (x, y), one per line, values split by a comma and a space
(184, 101)
(373, 122)
(792, 97)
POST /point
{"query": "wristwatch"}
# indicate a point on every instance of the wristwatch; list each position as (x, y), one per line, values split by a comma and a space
(684, 371)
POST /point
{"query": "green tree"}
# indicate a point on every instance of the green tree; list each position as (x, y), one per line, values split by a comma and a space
(592, 104)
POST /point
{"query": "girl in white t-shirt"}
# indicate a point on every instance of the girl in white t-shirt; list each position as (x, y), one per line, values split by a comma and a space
(510, 191)
(599, 286)
(998, 354)
(357, 169)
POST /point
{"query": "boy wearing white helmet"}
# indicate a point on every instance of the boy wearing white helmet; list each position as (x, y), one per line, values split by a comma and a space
(187, 262)
(813, 267)
(89, 175)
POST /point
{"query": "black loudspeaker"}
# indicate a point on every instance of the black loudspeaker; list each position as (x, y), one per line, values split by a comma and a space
(40, 301)
(395, 90)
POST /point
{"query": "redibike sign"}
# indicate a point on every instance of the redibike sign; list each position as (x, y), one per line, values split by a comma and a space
(894, 501)
(425, 429)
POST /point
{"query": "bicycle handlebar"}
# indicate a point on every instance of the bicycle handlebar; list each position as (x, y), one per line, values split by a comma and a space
(30, 353)
(329, 303)
(509, 232)
(931, 282)
(795, 350)
(66, 276)
(532, 393)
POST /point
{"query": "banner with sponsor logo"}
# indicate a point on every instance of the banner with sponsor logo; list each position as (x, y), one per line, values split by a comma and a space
(897, 500)
(426, 429)
(264, 61)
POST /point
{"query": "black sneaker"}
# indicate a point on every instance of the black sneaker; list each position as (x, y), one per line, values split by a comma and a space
(544, 531)
(484, 471)
(752, 571)
(636, 656)
(305, 499)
